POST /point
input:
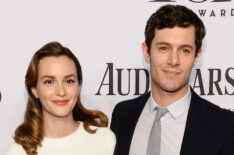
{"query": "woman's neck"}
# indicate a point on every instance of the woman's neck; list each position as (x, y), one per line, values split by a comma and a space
(55, 127)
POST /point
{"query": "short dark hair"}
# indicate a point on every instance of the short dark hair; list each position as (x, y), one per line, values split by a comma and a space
(169, 16)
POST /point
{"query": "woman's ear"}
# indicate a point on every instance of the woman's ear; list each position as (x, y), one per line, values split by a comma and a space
(34, 91)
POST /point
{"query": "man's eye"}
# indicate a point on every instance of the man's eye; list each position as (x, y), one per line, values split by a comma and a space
(163, 48)
(185, 51)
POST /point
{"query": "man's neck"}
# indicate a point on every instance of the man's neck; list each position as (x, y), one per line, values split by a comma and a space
(165, 98)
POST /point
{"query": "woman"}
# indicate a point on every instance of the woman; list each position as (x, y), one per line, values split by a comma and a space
(55, 121)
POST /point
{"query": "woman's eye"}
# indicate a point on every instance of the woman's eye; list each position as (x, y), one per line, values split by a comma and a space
(48, 82)
(70, 81)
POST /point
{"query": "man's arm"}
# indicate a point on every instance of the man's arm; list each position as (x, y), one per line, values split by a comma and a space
(228, 147)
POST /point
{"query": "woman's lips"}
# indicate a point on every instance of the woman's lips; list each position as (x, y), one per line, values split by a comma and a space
(60, 102)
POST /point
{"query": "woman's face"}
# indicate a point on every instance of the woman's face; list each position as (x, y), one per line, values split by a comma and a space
(57, 86)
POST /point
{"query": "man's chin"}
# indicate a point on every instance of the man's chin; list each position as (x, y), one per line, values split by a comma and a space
(171, 86)
(172, 89)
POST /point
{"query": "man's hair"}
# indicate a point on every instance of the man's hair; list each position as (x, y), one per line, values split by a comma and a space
(169, 16)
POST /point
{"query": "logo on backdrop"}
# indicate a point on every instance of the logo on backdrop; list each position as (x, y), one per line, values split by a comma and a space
(204, 12)
(194, 1)
(137, 74)
(217, 84)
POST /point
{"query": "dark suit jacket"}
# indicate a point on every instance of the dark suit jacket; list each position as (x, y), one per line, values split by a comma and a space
(209, 129)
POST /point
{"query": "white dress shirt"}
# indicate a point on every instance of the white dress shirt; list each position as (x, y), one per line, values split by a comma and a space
(172, 127)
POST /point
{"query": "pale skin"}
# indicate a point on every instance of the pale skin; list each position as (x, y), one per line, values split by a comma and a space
(171, 58)
(58, 90)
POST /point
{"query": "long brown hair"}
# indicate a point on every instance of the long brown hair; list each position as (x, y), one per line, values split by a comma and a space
(31, 133)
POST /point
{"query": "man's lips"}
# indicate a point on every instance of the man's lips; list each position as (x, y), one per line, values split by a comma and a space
(60, 102)
(171, 72)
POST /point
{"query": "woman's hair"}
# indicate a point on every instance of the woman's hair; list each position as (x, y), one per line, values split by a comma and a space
(31, 133)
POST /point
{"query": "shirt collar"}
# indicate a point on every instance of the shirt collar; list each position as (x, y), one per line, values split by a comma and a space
(175, 109)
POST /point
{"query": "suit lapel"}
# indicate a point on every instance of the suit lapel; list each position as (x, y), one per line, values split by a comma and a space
(196, 129)
(129, 123)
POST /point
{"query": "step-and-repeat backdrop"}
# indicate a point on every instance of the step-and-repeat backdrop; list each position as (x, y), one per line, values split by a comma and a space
(106, 36)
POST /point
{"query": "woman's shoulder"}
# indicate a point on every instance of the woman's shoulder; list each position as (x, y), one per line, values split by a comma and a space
(14, 149)
(104, 133)
(104, 137)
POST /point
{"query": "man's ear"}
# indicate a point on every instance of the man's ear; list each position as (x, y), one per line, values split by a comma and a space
(34, 91)
(197, 57)
(146, 55)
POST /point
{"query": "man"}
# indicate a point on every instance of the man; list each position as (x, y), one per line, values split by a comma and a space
(189, 124)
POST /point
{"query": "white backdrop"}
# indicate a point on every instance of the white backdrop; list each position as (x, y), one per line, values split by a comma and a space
(101, 32)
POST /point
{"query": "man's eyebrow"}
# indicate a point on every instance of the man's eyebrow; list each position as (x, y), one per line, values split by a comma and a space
(188, 46)
(166, 43)
(162, 43)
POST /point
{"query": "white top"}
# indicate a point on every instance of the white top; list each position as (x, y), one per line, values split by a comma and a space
(172, 124)
(78, 143)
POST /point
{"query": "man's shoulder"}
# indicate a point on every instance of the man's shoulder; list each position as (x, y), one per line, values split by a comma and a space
(128, 104)
(128, 110)
(211, 108)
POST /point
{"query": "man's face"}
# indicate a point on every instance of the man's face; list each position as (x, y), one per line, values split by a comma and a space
(171, 58)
